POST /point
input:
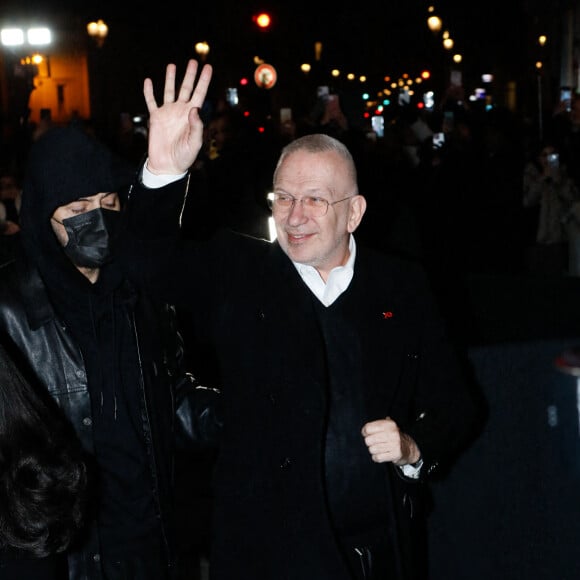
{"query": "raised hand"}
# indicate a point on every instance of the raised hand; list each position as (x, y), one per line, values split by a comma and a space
(175, 128)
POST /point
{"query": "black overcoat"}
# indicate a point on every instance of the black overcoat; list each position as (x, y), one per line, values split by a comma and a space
(250, 305)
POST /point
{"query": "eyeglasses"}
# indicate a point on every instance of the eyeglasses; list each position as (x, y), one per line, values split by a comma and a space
(283, 203)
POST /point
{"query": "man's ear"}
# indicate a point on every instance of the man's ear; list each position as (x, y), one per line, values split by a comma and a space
(358, 206)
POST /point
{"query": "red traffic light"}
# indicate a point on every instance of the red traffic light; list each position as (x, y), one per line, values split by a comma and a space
(425, 74)
(263, 20)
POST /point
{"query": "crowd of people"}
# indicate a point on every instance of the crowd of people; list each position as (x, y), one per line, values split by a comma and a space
(311, 385)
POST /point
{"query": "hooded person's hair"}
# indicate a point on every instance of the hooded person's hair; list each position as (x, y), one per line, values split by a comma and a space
(65, 164)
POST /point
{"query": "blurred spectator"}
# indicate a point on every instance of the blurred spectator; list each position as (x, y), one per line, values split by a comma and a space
(131, 142)
(10, 194)
(10, 198)
(546, 184)
(43, 125)
(566, 131)
(229, 181)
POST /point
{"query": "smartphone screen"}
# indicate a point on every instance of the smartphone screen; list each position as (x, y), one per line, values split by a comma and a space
(566, 97)
(554, 160)
(322, 92)
(285, 115)
(438, 140)
(448, 121)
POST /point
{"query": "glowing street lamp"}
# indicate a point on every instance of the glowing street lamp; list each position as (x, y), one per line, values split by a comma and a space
(22, 46)
(18, 37)
(434, 23)
(99, 31)
(202, 48)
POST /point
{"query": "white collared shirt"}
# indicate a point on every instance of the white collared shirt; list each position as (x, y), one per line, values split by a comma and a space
(338, 279)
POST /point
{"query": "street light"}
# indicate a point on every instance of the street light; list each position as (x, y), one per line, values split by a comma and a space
(434, 23)
(202, 48)
(98, 30)
(448, 43)
(539, 65)
(17, 76)
(11, 37)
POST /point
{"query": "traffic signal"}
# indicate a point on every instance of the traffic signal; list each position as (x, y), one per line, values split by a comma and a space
(425, 75)
(262, 20)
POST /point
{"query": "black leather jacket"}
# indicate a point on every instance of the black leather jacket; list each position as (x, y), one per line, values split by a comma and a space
(41, 342)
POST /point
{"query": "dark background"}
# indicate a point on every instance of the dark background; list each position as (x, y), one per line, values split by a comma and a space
(376, 39)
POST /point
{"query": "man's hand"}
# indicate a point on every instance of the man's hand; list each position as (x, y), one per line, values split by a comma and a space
(386, 442)
(175, 128)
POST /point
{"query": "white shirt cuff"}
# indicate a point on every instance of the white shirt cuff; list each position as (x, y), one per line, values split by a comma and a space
(412, 470)
(153, 181)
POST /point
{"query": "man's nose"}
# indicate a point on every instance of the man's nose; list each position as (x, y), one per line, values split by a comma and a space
(297, 212)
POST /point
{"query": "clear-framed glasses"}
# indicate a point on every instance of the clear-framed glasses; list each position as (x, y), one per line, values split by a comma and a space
(282, 203)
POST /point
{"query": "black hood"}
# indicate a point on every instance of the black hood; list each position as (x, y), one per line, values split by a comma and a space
(64, 164)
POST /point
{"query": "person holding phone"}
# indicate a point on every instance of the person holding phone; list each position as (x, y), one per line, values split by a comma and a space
(565, 127)
(548, 188)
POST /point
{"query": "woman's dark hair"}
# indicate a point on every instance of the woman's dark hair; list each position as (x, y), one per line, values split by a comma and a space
(42, 474)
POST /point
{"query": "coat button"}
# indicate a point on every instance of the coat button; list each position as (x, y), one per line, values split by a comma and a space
(285, 463)
(96, 557)
(87, 421)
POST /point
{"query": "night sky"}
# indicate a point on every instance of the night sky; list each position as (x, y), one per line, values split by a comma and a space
(391, 37)
(387, 35)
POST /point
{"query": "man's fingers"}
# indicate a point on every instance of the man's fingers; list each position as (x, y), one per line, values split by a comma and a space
(376, 426)
(186, 89)
(149, 95)
(169, 88)
(200, 92)
(195, 93)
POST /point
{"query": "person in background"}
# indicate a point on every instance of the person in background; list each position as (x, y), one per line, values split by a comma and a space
(227, 180)
(110, 356)
(565, 128)
(11, 194)
(342, 394)
(43, 480)
(10, 200)
(548, 188)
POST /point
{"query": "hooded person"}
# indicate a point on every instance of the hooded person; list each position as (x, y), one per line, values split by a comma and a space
(111, 357)
(64, 165)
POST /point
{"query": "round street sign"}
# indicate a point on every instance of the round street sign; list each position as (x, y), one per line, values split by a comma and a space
(265, 76)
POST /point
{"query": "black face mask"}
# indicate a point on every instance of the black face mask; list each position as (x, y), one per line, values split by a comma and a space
(91, 237)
